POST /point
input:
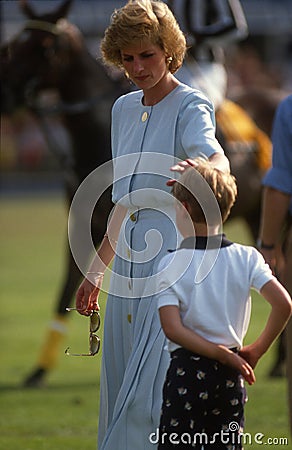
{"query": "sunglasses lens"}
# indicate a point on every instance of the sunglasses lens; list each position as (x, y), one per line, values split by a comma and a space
(94, 344)
(94, 322)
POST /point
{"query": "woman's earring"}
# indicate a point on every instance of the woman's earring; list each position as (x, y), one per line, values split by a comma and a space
(127, 77)
(169, 61)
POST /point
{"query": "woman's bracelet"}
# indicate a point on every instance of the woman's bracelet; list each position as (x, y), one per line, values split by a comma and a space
(95, 278)
(101, 274)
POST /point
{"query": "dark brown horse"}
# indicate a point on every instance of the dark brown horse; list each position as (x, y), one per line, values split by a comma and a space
(50, 54)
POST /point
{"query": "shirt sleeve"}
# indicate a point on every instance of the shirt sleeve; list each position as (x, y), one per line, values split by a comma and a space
(280, 175)
(197, 127)
(260, 271)
(166, 294)
(167, 298)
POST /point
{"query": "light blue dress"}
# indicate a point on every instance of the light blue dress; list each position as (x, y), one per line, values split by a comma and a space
(146, 140)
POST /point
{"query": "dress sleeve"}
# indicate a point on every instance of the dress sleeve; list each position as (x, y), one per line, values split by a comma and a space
(196, 127)
(117, 188)
(115, 118)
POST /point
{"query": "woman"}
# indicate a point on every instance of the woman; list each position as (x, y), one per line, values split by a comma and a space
(152, 128)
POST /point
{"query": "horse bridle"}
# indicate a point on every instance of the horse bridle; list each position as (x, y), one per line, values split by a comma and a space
(41, 25)
(61, 107)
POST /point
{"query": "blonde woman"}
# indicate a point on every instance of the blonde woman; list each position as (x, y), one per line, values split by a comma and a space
(163, 124)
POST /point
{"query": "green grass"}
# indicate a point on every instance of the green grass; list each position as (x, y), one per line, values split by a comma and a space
(64, 414)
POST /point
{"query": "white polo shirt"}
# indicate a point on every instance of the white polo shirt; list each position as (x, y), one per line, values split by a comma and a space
(213, 293)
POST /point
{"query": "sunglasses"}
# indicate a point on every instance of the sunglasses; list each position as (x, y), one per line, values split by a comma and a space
(94, 340)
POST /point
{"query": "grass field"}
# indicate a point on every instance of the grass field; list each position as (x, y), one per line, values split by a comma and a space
(63, 416)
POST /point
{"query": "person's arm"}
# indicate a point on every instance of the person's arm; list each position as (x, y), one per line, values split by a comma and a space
(87, 294)
(218, 160)
(280, 302)
(176, 332)
(277, 184)
(275, 206)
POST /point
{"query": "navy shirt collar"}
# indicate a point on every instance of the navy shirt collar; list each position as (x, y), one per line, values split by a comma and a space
(205, 242)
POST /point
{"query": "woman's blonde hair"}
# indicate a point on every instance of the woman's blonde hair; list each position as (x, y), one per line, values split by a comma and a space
(192, 187)
(141, 20)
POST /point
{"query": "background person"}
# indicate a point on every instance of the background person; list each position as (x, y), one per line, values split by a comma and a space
(202, 395)
(168, 118)
(211, 27)
(276, 214)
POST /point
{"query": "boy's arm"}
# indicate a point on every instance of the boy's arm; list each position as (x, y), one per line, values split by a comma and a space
(176, 332)
(280, 301)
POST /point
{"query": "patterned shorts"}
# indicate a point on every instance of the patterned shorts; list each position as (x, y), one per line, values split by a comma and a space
(203, 405)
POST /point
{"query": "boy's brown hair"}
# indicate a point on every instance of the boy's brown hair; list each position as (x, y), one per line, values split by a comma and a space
(194, 186)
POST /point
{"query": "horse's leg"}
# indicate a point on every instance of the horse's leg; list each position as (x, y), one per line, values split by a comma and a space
(278, 368)
(252, 219)
(248, 204)
(57, 329)
(287, 281)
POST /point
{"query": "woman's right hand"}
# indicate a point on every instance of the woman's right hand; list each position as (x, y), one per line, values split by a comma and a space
(87, 297)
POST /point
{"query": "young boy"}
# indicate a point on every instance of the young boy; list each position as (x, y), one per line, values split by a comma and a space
(205, 314)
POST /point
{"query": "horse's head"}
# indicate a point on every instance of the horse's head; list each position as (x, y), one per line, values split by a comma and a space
(38, 56)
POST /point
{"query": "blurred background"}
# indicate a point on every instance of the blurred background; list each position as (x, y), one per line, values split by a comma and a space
(263, 58)
(51, 140)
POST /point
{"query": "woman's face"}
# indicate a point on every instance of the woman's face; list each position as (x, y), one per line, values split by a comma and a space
(145, 64)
